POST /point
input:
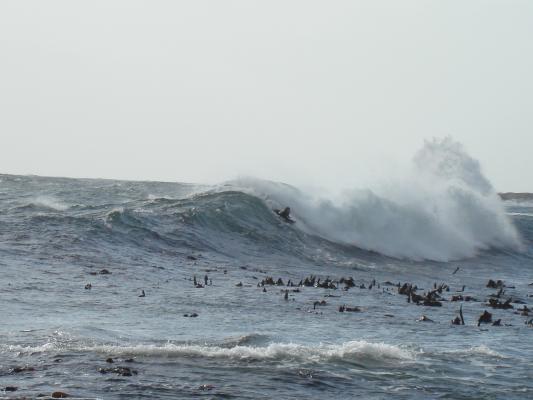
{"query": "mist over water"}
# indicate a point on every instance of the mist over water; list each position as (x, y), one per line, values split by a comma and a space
(442, 208)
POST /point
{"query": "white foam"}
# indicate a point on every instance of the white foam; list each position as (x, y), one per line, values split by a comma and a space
(519, 214)
(50, 202)
(348, 351)
(481, 350)
(442, 209)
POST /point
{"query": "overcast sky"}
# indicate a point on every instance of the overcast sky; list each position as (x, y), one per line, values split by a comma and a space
(306, 92)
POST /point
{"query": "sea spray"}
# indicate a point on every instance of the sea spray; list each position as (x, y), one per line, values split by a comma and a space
(443, 209)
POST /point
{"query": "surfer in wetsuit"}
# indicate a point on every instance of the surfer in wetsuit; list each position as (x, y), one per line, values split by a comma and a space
(285, 213)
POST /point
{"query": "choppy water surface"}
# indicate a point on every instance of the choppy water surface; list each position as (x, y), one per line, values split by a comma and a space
(249, 342)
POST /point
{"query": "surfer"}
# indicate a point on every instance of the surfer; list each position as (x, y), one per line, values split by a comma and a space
(285, 214)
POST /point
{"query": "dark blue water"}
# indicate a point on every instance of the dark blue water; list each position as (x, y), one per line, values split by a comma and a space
(249, 342)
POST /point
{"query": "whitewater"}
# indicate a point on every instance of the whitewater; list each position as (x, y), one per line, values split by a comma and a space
(76, 255)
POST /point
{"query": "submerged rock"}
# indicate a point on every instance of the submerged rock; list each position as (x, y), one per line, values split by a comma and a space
(485, 318)
(25, 368)
(495, 284)
(122, 371)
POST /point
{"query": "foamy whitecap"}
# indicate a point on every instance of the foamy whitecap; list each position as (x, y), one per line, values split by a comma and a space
(481, 350)
(351, 351)
(50, 202)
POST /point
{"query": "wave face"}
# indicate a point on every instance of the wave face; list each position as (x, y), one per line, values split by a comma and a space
(442, 209)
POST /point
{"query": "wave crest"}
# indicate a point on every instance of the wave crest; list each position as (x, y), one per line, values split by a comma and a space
(352, 351)
(443, 209)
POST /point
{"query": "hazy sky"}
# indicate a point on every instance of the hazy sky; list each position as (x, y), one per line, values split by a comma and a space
(311, 92)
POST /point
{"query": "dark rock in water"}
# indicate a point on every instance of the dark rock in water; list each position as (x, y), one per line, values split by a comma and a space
(319, 303)
(306, 373)
(109, 360)
(129, 360)
(327, 284)
(405, 289)
(348, 282)
(104, 272)
(495, 284)
(524, 311)
(192, 258)
(267, 281)
(122, 371)
(498, 304)
(456, 321)
(462, 298)
(460, 320)
(343, 308)
(60, 395)
(432, 303)
(485, 318)
(11, 388)
(497, 323)
(239, 284)
(26, 368)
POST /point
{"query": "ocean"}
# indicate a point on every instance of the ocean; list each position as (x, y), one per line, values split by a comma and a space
(122, 290)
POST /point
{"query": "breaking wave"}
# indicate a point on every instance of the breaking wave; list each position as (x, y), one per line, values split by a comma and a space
(443, 209)
(352, 351)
